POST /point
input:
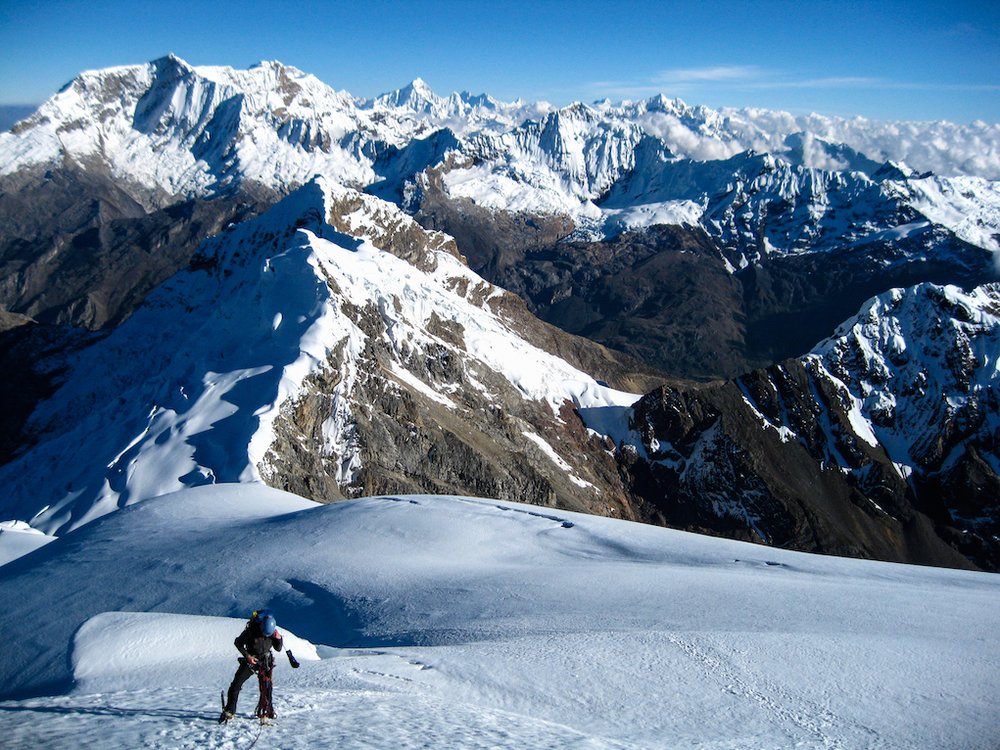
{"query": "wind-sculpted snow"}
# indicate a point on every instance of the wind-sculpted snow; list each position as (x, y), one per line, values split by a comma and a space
(18, 539)
(187, 391)
(458, 622)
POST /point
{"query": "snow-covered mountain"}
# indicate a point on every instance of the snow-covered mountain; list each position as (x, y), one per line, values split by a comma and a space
(894, 419)
(460, 622)
(289, 286)
(610, 174)
(153, 137)
(921, 366)
(461, 112)
(174, 130)
(331, 345)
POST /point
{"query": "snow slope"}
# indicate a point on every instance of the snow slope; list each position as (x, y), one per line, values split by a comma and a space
(602, 169)
(186, 131)
(183, 131)
(17, 538)
(460, 622)
(186, 391)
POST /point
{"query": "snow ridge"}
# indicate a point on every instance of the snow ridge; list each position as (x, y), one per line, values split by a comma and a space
(564, 628)
(187, 391)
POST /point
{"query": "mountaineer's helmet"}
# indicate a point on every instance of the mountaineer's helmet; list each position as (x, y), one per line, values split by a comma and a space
(266, 622)
(268, 625)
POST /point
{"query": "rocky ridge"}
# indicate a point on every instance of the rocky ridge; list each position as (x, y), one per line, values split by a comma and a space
(882, 442)
(329, 363)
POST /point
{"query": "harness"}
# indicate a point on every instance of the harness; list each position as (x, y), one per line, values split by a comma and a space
(264, 668)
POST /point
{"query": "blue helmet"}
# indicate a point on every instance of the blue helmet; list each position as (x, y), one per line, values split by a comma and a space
(266, 621)
(268, 625)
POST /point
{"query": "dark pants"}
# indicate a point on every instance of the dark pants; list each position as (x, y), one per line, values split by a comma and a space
(242, 675)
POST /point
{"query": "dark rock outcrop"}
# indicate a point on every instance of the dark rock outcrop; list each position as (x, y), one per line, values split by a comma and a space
(79, 248)
(713, 467)
(664, 295)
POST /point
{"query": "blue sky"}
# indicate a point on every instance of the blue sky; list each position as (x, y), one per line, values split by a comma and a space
(886, 60)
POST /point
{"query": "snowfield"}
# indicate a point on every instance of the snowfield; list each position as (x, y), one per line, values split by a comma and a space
(17, 538)
(452, 622)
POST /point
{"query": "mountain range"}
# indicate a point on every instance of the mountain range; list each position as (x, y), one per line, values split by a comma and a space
(777, 329)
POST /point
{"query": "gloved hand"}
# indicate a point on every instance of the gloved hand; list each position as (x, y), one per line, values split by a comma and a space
(292, 660)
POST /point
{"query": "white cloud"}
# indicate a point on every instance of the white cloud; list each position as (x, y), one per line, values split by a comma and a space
(815, 156)
(702, 81)
(827, 82)
(712, 73)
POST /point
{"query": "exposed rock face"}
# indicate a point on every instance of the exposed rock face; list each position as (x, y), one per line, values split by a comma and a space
(76, 248)
(32, 359)
(881, 443)
(792, 302)
(407, 442)
(763, 254)
(114, 168)
(712, 468)
(389, 229)
(667, 295)
(662, 295)
(493, 241)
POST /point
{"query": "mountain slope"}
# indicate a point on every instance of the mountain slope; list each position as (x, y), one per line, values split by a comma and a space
(337, 345)
(167, 136)
(882, 442)
(295, 352)
(806, 246)
(478, 623)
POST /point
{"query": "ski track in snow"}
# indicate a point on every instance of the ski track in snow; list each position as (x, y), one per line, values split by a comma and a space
(344, 720)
